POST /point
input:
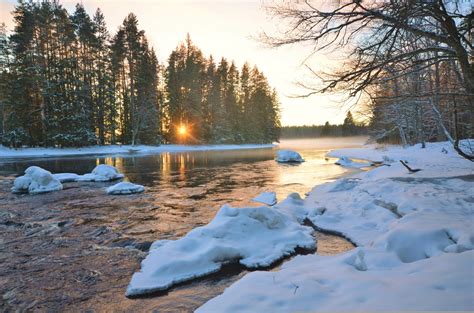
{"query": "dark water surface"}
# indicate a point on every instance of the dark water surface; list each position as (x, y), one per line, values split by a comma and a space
(76, 249)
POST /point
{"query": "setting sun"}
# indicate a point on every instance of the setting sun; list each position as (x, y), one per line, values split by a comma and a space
(182, 130)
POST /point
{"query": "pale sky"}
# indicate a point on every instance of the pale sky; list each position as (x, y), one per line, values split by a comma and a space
(222, 28)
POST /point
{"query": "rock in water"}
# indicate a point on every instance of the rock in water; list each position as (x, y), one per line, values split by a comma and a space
(36, 180)
(288, 156)
(100, 173)
(125, 188)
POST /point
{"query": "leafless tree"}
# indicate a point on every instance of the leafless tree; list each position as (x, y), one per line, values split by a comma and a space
(395, 44)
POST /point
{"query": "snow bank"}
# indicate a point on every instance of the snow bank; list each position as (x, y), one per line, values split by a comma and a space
(268, 198)
(288, 156)
(346, 162)
(253, 237)
(112, 149)
(414, 231)
(36, 180)
(124, 188)
(360, 280)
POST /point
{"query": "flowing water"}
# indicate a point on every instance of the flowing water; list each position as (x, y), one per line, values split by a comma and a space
(76, 249)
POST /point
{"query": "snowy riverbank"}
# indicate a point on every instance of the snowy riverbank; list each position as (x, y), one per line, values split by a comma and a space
(414, 233)
(116, 149)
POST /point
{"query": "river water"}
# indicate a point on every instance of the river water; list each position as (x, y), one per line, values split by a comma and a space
(76, 249)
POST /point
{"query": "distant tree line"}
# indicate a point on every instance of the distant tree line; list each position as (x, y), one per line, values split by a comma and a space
(66, 81)
(348, 128)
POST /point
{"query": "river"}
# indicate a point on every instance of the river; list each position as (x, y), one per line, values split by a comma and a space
(76, 249)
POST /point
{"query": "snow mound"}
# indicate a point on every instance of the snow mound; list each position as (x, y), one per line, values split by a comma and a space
(346, 162)
(124, 188)
(253, 237)
(36, 180)
(268, 198)
(288, 156)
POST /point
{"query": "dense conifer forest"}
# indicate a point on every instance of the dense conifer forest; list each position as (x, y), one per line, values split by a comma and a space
(65, 80)
(349, 128)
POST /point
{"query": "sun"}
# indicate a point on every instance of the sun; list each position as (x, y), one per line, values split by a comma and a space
(182, 130)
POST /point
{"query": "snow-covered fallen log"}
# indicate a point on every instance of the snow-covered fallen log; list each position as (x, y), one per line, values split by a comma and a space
(254, 237)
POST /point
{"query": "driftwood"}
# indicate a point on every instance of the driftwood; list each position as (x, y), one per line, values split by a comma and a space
(411, 170)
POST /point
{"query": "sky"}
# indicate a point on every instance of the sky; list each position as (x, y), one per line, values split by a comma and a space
(224, 28)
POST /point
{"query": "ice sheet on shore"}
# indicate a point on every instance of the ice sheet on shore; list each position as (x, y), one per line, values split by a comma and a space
(414, 231)
(268, 198)
(124, 188)
(288, 156)
(254, 237)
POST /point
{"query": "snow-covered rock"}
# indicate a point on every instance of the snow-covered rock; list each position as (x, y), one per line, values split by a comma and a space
(268, 198)
(253, 237)
(288, 156)
(124, 188)
(346, 162)
(36, 180)
(100, 173)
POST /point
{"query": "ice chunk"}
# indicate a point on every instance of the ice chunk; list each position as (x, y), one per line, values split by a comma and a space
(254, 237)
(268, 198)
(124, 188)
(288, 156)
(36, 180)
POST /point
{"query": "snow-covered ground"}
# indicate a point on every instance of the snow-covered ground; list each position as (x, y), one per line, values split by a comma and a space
(115, 149)
(414, 231)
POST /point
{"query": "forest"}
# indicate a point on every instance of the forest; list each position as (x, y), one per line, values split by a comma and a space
(350, 127)
(65, 80)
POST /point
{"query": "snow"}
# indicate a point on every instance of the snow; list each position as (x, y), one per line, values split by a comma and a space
(346, 162)
(268, 198)
(288, 156)
(36, 180)
(101, 173)
(125, 188)
(114, 149)
(254, 237)
(414, 233)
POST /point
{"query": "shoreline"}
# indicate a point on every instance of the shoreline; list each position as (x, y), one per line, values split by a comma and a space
(413, 234)
(10, 153)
